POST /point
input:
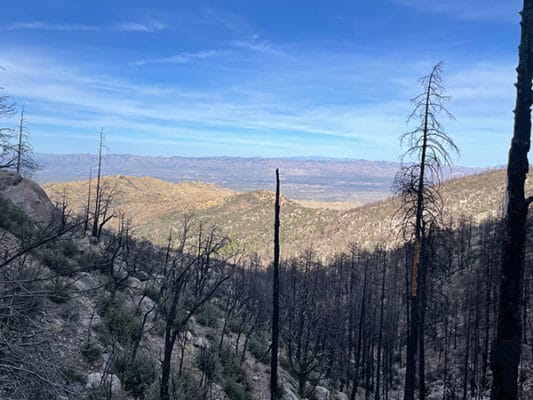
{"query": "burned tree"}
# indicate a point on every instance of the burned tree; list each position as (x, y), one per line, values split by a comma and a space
(506, 351)
(429, 147)
(7, 109)
(25, 164)
(189, 280)
(98, 200)
(275, 300)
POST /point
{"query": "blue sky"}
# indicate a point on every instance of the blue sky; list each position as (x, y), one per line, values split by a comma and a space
(257, 78)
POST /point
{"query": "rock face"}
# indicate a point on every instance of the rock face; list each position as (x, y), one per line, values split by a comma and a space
(289, 395)
(95, 379)
(29, 197)
(321, 393)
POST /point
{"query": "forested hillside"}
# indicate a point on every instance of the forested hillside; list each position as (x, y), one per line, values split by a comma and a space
(344, 321)
(235, 235)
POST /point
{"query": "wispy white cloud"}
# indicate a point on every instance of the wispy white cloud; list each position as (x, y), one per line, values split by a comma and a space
(153, 26)
(223, 19)
(267, 106)
(47, 26)
(182, 58)
(72, 27)
(255, 44)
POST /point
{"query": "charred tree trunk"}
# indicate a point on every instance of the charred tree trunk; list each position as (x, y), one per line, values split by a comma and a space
(170, 338)
(421, 333)
(466, 363)
(21, 138)
(506, 350)
(275, 301)
(380, 338)
(88, 210)
(359, 336)
(412, 341)
(98, 189)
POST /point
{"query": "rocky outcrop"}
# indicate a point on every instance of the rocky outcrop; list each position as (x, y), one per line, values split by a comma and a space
(97, 379)
(29, 197)
(289, 395)
(321, 393)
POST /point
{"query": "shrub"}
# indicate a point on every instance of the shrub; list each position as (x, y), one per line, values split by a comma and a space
(89, 260)
(57, 257)
(90, 351)
(187, 387)
(119, 322)
(102, 393)
(58, 291)
(208, 362)
(237, 391)
(237, 386)
(207, 315)
(74, 375)
(138, 376)
(15, 221)
(259, 349)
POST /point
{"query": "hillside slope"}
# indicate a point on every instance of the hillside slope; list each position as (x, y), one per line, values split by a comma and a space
(154, 206)
(141, 199)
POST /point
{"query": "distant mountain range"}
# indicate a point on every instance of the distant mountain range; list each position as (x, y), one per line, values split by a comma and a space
(332, 180)
(154, 207)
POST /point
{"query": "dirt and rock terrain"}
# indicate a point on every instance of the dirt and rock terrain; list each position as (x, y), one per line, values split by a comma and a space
(155, 206)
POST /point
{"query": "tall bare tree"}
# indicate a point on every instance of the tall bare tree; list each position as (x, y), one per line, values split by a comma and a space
(507, 346)
(7, 109)
(275, 300)
(416, 185)
(25, 163)
(98, 195)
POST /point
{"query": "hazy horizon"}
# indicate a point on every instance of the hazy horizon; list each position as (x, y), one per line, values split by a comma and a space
(252, 157)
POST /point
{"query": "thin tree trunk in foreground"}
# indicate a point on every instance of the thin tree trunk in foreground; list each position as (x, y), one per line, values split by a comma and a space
(275, 304)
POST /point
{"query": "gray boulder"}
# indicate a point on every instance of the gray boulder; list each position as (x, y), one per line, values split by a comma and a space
(201, 342)
(29, 197)
(321, 393)
(96, 379)
(289, 395)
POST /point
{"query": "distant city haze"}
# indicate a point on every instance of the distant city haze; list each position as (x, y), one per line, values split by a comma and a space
(320, 179)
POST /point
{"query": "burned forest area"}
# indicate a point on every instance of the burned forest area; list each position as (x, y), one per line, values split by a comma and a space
(251, 275)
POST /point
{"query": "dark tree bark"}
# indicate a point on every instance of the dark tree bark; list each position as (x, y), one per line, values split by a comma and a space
(275, 300)
(359, 336)
(98, 188)
(88, 209)
(19, 147)
(507, 347)
(466, 362)
(380, 338)
(421, 327)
